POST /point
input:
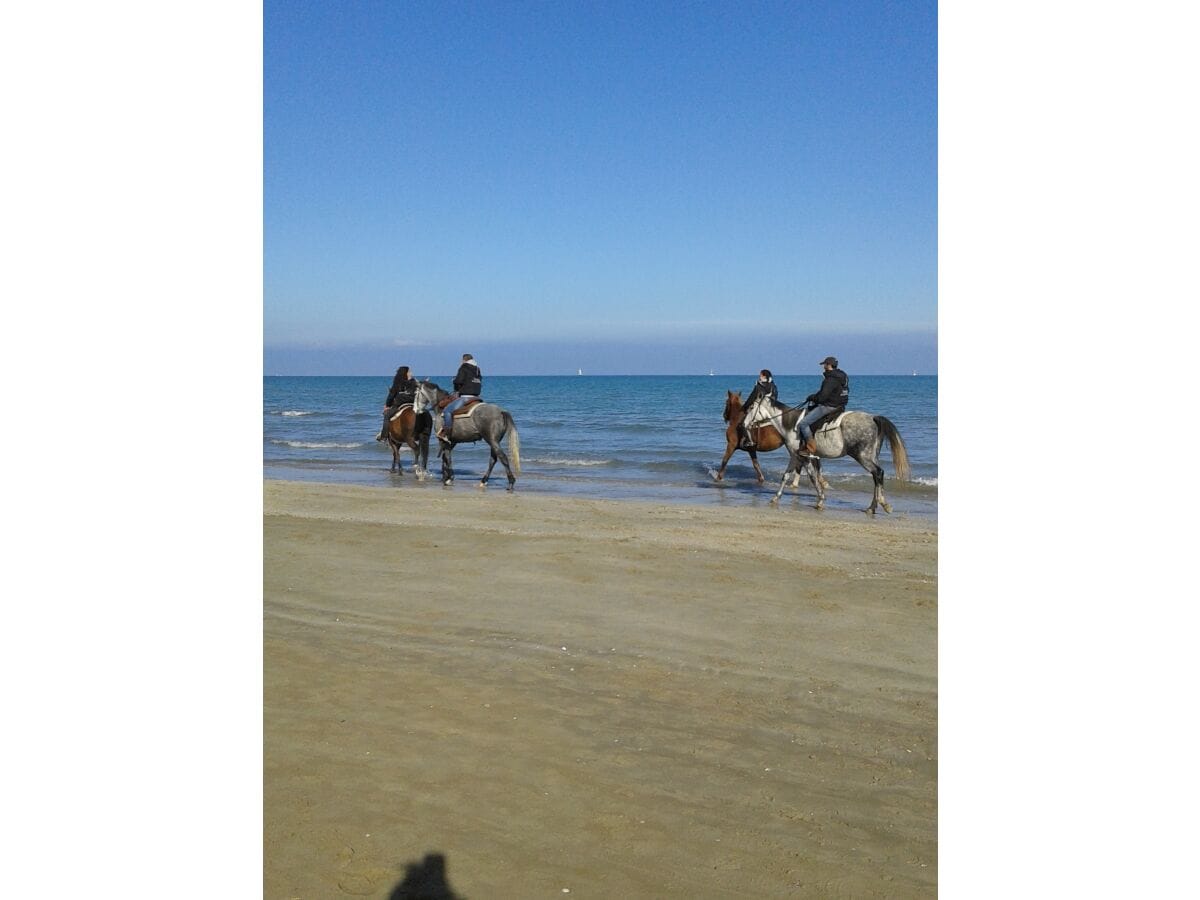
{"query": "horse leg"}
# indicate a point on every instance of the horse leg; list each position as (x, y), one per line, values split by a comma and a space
(757, 468)
(730, 447)
(876, 471)
(818, 481)
(447, 466)
(498, 454)
(491, 465)
(395, 448)
(792, 463)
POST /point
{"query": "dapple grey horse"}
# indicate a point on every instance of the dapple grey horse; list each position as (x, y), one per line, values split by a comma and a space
(859, 435)
(488, 422)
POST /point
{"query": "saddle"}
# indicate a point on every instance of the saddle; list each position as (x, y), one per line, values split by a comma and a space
(466, 409)
(399, 409)
(829, 421)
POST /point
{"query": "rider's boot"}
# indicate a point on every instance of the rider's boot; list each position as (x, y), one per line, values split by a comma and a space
(810, 447)
(443, 433)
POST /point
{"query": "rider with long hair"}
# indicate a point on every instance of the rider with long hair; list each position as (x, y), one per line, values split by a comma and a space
(403, 389)
(763, 389)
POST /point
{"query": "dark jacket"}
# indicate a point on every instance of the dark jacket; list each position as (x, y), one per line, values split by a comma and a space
(834, 391)
(469, 381)
(761, 389)
(403, 390)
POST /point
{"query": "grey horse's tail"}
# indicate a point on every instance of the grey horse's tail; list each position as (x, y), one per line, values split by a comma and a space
(514, 443)
(899, 454)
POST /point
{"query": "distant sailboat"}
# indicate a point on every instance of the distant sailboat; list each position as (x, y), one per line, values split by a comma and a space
(581, 372)
(711, 372)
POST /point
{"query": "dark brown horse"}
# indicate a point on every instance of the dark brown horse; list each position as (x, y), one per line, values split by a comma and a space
(408, 429)
(766, 436)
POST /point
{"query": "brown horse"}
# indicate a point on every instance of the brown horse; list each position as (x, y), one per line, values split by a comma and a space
(407, 429)
(766, 436)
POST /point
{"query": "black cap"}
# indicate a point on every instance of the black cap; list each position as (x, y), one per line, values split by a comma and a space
(829, 361)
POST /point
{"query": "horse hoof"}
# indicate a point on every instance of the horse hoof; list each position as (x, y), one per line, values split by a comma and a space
(887, 507)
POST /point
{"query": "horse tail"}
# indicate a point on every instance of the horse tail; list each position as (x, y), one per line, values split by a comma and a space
(514, 443)
(899, 453)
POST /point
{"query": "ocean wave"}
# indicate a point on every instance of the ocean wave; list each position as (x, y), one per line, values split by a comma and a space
(931, 482)
(319, 445)
(549, 461)
(296, 412)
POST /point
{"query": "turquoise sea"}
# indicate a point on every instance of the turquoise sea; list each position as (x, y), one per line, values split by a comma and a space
(657, 438)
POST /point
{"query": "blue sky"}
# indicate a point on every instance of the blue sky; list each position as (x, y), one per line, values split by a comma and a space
(620, 187)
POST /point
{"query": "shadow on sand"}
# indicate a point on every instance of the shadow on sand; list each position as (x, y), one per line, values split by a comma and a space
(425, 880)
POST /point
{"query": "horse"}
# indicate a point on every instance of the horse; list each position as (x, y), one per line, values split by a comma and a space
(408, 428)
(859, 435)
(487, 422)
(766, 439)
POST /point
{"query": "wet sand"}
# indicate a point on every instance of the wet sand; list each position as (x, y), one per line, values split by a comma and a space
(509, 695)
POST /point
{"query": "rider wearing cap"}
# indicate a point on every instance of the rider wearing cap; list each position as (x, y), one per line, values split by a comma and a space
(467, 383)
(831, 397)
(763, 388)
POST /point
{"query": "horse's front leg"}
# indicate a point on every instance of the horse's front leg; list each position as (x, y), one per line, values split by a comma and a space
(792, 463)
(730, 448)
(447, 467)
(396, 466)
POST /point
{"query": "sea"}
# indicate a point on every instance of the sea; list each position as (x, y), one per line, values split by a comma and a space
(651, 438)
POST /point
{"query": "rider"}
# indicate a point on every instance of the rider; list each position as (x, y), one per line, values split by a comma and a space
(467, 383)
(403, 389)
(831, 397)
(763, 388)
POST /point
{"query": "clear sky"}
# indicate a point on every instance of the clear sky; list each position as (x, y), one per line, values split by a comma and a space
(619, 187)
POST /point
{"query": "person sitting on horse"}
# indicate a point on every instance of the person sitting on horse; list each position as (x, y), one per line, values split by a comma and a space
(831, 397)
(468, 383)
(403, 390)
(763, 389)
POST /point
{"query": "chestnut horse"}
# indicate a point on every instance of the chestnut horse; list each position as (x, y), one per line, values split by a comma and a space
(766, 437)
(407, 428)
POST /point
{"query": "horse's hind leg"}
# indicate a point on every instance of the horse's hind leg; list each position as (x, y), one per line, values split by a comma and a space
(491, 465)
(876, 471)
(498, 454)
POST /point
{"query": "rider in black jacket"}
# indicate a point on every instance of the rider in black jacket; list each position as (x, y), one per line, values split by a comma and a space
(467, 383)
(832, 396)
(764, 388)
(403, 390)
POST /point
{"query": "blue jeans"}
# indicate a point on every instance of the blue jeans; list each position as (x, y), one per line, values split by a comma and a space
(811, 416)
(448, 412)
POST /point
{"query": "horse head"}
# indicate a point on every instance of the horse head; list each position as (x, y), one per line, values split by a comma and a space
(733, 403)
(425, 397)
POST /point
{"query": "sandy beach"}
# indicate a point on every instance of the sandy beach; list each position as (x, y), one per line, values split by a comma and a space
(478, 694)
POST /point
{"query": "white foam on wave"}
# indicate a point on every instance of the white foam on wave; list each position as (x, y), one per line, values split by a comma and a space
(931, 482)
(547, 461)
(317, 445)
(295, 412)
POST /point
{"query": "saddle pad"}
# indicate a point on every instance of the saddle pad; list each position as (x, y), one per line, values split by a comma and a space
(464, 412)
(402, 408)
(828, 424)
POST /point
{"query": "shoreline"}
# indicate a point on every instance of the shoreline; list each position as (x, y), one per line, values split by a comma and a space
(614, 697)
